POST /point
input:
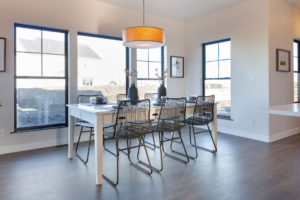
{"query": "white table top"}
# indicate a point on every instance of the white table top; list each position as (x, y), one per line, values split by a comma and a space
(287, 110)
(93, 108)
(104, 108)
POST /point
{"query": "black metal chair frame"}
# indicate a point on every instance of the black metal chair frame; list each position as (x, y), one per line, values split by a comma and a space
(141, 142)
(121, 97)
(163, 139)
(192, 125)
(90, 131)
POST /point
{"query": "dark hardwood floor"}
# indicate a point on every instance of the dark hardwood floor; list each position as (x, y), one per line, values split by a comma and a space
(241, 169)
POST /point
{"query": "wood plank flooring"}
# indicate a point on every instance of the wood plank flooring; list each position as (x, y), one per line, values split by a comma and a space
(242, 169)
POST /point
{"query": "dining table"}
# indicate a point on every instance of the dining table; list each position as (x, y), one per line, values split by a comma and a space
(103, 114)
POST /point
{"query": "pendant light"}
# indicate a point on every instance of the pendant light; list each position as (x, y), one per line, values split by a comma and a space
(143, 37)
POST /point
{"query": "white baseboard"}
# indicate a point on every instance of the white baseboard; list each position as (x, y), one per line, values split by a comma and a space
(239, 133)
(284, 134)
(28, 146)
(244, 134)
(35, 145)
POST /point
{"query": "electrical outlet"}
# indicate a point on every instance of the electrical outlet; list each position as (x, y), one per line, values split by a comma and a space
(1, 133)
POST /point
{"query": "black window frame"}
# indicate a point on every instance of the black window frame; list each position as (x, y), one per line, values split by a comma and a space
(298, 70)
(204, 70)
(148, 63)
(41, 28)
(80, 33)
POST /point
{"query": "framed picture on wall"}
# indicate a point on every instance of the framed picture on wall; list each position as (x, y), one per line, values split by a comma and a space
(177, 67)
(283, 58)
(2, 54)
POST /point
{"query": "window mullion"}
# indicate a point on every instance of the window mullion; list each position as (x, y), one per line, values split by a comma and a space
(298, 56)
(218, 60)
(42, 57)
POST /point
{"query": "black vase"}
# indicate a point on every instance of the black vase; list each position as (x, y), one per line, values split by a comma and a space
(133, 93)
(161, 92)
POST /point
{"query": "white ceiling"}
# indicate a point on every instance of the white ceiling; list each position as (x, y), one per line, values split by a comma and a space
(294, 2)
(177, 9)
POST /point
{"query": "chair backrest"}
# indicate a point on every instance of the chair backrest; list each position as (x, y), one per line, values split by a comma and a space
(121, 97)
(204, 108)
(85, 98)
(172, 113)
(150, 96)
(133, 119)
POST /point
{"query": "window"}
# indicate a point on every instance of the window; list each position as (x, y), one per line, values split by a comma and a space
(40, 77)
(217, 74)
(149, 63)
(296, 70)
(101, 65)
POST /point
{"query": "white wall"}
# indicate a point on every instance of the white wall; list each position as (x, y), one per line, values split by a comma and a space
(247, 26)
(281, 36)
(256, 28)
(296, 20)
(74, 15)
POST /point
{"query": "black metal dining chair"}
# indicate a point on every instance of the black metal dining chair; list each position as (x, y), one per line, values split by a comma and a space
(203, 115)
(171, 118)
(86, 127)
(132, 122)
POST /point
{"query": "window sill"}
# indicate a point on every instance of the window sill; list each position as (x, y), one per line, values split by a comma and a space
(224, 117)
(39, 129)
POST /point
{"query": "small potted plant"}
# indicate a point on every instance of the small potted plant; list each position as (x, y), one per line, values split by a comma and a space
(0, 104)
(162, 90)
(132, 90)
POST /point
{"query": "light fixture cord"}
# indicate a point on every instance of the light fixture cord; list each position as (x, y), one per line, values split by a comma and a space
(143, 12)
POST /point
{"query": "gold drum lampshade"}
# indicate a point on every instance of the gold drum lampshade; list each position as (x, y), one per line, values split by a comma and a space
(143, 37)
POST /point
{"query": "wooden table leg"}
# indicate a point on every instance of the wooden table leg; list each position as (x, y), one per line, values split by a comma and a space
(98, 148)
(71, 136)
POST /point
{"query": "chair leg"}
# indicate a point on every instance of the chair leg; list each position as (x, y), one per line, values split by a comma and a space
(143, 163)
(77, 145)
(147, 154)
(179, 153)
(161, 150)
(178, 142)
(142, 139)
(128, 149)
(90, 138)
(114, 183)
(108, 150)
(190, 134)
(205, 149)
(212, 139)
(150, 145)
(179, 132)
(162, 139)
(196, 149)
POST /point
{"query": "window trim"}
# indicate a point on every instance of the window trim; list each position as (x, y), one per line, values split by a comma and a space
(298, 72)
(204, 70)
(127, 54)
(162, 66)
(42, 28)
